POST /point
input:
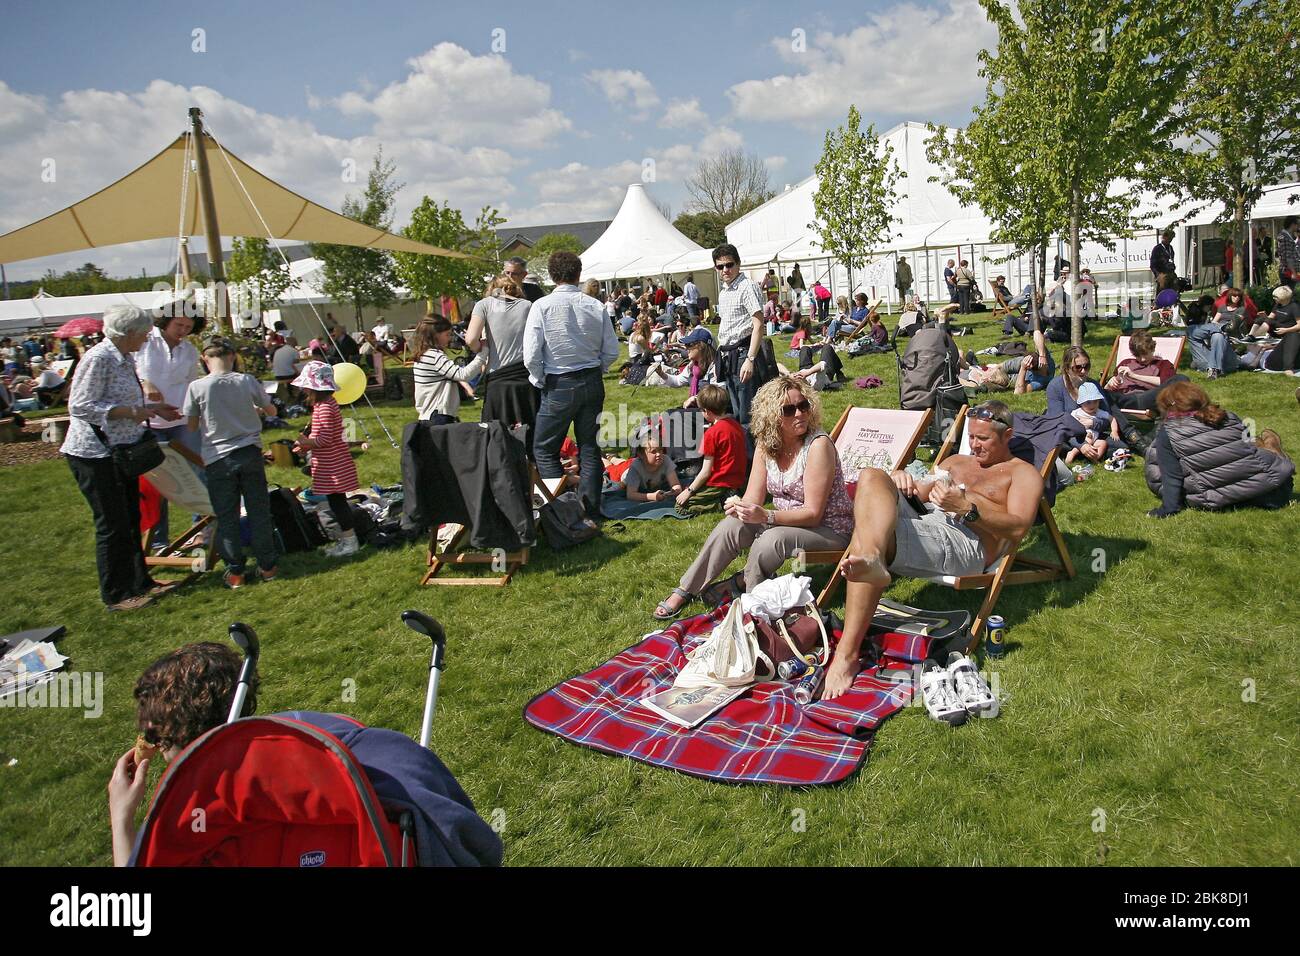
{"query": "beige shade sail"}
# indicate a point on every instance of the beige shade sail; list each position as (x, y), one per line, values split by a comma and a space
(144, 205)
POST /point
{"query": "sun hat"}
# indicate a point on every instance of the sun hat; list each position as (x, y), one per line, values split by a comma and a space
(318, 376)
(1089, 392)
(699, 334)
(38, 359)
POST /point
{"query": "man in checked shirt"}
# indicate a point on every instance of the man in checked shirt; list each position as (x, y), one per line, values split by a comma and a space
(741, 368)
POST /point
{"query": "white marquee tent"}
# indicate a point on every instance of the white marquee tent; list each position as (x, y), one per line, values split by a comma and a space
(933, 226)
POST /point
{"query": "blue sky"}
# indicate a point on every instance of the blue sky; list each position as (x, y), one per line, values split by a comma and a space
(548, 129)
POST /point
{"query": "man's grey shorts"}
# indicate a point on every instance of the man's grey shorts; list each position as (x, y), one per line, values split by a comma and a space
(932, 543)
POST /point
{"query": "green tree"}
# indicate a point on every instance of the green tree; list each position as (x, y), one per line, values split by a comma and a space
(353, 273)
(1079, 95)
(1237, 114)
(434, 276)
(706, 228)
(855, 193)
(256, 275)
(540, 251)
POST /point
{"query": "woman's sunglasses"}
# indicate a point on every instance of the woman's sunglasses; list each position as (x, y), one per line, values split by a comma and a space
(789, 410)
(1082, 368)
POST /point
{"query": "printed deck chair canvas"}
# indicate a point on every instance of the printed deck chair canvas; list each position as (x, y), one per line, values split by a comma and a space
(1168, 347)
(445, 554)
(176, 481)
(1011, 567)
(884, 438)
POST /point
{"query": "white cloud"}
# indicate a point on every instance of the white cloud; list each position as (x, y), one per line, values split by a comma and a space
(775, 163)
(453, 96)
(683, 113)
(626, 88)
(576, 192)
(906, 61)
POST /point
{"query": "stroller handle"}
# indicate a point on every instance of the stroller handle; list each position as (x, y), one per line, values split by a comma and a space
(430, 628)
(246, 638)
(423, 624)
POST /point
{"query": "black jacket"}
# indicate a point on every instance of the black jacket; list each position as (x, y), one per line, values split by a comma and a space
(471, 474)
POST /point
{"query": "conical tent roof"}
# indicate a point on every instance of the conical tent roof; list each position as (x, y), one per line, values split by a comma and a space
(640, 241)
(145, 204)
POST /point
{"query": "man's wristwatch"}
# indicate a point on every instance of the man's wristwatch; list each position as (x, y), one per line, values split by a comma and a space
(971, 516)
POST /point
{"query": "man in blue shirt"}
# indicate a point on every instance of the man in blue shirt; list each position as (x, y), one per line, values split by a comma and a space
(691, 293)
(568, 344)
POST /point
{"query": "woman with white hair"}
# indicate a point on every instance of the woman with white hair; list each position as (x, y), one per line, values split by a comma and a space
(108, 409)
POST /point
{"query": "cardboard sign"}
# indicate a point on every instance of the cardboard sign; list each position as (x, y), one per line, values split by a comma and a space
(177, 481)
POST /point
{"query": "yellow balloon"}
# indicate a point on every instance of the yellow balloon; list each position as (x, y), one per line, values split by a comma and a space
(351, 382)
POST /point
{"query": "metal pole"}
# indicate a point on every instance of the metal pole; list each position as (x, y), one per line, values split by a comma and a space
(4, 279)
(211, 232)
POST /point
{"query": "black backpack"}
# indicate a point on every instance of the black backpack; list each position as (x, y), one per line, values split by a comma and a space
(298, 530)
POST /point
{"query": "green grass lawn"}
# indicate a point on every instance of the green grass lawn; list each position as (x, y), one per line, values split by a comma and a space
(1125, 686)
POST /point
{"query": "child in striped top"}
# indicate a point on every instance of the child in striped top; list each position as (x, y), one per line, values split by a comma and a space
(333, 472)
(437, 378)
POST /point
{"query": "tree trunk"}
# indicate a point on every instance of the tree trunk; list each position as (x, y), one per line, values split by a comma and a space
(1076, 307)
(1241, 243)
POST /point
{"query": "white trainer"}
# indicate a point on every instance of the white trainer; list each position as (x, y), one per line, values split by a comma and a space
(345, 546)
(940, 696)
(971, 690)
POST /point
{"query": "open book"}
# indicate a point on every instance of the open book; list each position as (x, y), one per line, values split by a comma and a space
(690, 706)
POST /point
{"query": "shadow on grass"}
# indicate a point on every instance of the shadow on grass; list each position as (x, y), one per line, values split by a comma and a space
(1093, 556)
(591, 555)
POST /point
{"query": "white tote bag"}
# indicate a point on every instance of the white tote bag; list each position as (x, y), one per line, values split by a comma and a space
(729, 657)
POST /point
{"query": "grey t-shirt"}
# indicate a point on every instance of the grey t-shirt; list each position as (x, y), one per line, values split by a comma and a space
(504, 320)
(226, 406)
(285, 361)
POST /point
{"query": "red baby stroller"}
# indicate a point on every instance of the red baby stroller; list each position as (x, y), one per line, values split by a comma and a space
(307, 789)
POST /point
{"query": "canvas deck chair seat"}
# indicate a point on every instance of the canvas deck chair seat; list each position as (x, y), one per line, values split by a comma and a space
(177, 482)
(1169, 347)
(1011, 567)
(884, 438)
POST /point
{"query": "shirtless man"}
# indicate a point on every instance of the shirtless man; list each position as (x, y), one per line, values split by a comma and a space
(988, 503)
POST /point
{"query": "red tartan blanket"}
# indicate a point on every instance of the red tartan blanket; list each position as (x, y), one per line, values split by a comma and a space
(764, 736)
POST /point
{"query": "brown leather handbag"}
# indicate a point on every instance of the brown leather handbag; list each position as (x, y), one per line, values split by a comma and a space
(800, 632)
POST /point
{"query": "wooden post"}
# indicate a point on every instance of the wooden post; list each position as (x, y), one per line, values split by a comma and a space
(211, 231)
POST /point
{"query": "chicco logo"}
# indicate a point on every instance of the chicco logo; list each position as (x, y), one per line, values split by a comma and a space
(314, 858)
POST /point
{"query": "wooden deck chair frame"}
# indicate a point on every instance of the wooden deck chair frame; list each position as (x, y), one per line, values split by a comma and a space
(1011, 568)
(1001, 307)
(865, 323)
(178, 554)
(923, 422)
(505, 565)
(1112, 363)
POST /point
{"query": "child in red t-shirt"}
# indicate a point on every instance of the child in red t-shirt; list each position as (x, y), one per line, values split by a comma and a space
(726, 458)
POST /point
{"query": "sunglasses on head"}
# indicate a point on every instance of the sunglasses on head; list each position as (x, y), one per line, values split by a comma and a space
(725, 265)
(983, 414)
(789, 410)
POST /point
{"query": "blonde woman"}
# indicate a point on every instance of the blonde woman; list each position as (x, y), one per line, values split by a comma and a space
(796, 464)
(498, 322)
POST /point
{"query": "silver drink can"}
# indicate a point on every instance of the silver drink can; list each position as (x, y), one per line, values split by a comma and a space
(792, 669)
(809, 685)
